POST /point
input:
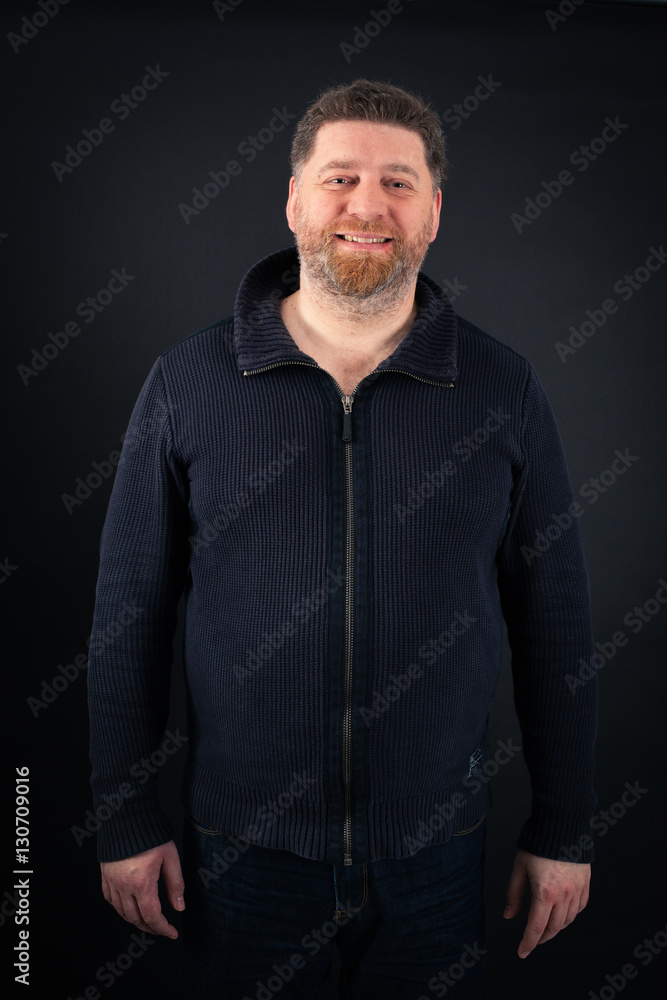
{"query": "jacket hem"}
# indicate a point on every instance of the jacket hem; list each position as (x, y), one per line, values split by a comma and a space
(291, 821)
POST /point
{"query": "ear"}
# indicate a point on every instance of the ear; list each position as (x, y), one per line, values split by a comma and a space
(290, 209)
(437, 205)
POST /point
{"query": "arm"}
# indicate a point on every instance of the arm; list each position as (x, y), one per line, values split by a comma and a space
(545, 597)
(143, 563)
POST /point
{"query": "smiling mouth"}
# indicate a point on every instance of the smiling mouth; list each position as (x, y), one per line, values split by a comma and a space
(364, 239)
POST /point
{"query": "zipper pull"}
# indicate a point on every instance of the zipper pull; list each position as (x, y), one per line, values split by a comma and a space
(347, 418)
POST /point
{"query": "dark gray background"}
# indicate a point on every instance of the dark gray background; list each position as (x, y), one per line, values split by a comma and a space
(119, 208)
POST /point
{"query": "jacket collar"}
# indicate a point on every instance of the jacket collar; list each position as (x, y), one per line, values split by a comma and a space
(261, 338)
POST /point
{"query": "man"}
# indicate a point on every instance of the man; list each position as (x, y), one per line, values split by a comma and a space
(353, 486)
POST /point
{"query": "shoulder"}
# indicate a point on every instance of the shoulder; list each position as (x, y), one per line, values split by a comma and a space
(481, 356)
(201, 343)
(480, 341)
(200, 355)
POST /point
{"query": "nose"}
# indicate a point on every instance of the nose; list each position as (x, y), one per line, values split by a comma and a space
(367, 200)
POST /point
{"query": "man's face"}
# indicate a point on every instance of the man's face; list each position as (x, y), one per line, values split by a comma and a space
(364, 181)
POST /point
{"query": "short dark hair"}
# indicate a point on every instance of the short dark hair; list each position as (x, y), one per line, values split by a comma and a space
(372, 101)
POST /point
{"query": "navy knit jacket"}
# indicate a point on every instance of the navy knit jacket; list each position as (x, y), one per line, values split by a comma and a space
(347, 563)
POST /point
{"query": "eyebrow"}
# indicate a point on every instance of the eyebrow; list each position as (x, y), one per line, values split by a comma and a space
(400, 168)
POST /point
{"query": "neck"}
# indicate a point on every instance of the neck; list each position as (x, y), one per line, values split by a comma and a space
(352, 331)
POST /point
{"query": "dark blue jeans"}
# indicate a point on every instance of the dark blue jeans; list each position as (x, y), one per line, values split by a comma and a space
(260, 923)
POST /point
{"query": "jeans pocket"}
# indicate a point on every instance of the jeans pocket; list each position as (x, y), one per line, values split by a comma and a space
(202, 829)
(462, 833)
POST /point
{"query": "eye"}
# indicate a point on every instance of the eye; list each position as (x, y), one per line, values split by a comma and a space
(401, 183)
(341, 180)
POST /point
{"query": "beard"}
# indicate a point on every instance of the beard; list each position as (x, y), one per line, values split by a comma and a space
(368, 281)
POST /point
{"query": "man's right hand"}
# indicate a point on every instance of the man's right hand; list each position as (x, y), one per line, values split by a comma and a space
(130, 886)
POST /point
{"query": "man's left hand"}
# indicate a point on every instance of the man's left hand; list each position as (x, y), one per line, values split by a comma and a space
(559, 892)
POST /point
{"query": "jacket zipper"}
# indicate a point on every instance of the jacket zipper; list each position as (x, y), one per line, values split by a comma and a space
(349, 612)
(349, 589)
(349, 626)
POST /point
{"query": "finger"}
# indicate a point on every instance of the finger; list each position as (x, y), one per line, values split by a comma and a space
(150, 912)
(538, 918)
(126, 907)
(106, 889)
(116, 901)
(134, 916)
(577, 903)
(556, 922)
(516, 889)
(173, 880)
(572, 911)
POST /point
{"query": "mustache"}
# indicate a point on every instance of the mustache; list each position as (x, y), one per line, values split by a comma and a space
(330, 232)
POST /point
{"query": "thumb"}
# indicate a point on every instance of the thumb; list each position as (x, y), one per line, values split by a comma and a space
(515, 890)
(173, 877)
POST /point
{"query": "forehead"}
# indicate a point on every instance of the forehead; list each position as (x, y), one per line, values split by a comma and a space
(367, 144)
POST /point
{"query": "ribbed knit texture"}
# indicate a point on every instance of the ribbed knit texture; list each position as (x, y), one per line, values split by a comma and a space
(232, 486)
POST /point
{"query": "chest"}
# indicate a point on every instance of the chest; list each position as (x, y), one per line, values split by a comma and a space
(429, 466)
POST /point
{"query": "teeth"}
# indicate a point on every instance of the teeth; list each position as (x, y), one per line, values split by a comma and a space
(364, 239)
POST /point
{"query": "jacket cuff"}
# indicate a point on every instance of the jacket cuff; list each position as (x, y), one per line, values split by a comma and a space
(562, 836)
(135, 828)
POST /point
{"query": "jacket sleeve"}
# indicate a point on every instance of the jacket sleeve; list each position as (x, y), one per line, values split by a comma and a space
(544, 592)
(143, 564)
